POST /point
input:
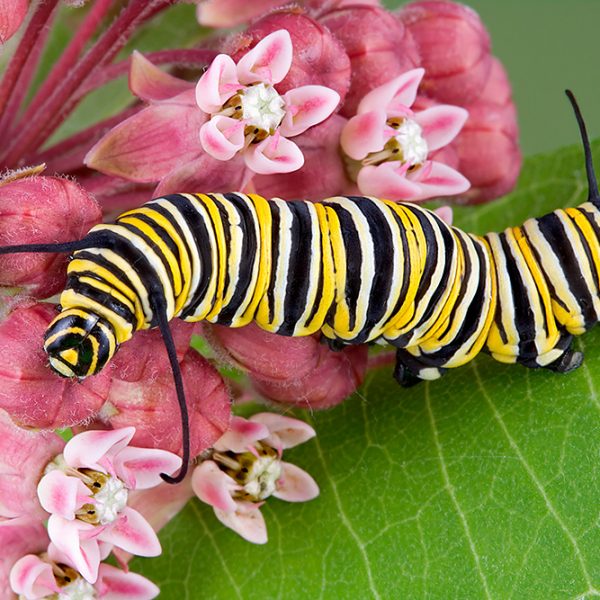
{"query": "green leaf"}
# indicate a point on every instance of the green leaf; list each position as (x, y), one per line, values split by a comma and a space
(483, 485)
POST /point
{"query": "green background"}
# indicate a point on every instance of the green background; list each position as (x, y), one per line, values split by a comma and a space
(546, 46)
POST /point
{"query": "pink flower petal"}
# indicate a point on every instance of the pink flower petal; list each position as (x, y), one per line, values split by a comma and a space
(395, 94)
(12, 14)
(229, 13)
(247, 521)
(62, 495)
(148, 82)
(445, 214)
(295, 484)
(132, 533)
(290, 432)
(152, 142)
(364, 134)
(33, 578)
(386, 182)
(222, 137)
(306, 106)
(73, 539)
(120, 585)
(217, 84)
(276, 154)
(439, 180)
(214, 487)
(89, 448)
(205, 173)
(269, 61)
(441, 124)
(241, 434)
(140, 468)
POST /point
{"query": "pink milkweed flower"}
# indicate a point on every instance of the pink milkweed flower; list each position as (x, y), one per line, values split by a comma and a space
(392, 143)
(249, 116)
(246, 468)
(35, 577)
(86, 488)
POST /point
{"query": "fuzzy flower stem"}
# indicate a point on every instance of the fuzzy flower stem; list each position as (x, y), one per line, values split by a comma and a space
(69, 57)
(30, 39)
(52, 112)
(8, 118)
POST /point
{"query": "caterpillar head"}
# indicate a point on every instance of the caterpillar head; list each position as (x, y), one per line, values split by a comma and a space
(79, 343)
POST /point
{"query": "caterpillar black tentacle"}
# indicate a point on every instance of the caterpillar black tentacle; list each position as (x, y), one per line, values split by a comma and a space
(354, 269)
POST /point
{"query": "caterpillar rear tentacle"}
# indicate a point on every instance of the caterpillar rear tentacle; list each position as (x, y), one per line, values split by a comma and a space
(354, 269)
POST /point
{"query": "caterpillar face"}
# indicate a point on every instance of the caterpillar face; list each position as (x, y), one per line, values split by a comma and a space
(79, 343)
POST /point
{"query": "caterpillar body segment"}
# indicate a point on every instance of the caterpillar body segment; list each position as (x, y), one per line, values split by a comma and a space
(356, 269)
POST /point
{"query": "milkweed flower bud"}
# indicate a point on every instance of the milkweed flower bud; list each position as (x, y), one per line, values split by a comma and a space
(31, 393)
(380, 47)
(318, 57)
(245, 469)
(454, 49)
(41, 209)
(23, 456)
(142, 392)
(335, 377)
(488, 146)
(300, 371)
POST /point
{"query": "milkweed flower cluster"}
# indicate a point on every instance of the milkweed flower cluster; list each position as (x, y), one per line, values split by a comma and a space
(335, 97)
(81, 488)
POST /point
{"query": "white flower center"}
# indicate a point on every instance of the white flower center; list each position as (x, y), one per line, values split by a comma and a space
(263, 477)
(110, 500)
(262, 107)
(412, 143)
(79, 589)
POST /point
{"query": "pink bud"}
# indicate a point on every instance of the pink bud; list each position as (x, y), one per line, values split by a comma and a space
(37, 210)
(12, 14)
(488, 146)
(299, 371)
(23, 457)
(318, 58)
(379, 46)
(31, 393)
(454, 47)
(336, 376)
(323, 173)
(142, 393)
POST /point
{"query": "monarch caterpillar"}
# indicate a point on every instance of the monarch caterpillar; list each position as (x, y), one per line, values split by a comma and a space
(356, 269)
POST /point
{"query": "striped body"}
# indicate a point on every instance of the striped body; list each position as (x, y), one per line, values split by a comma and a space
(355, 269)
